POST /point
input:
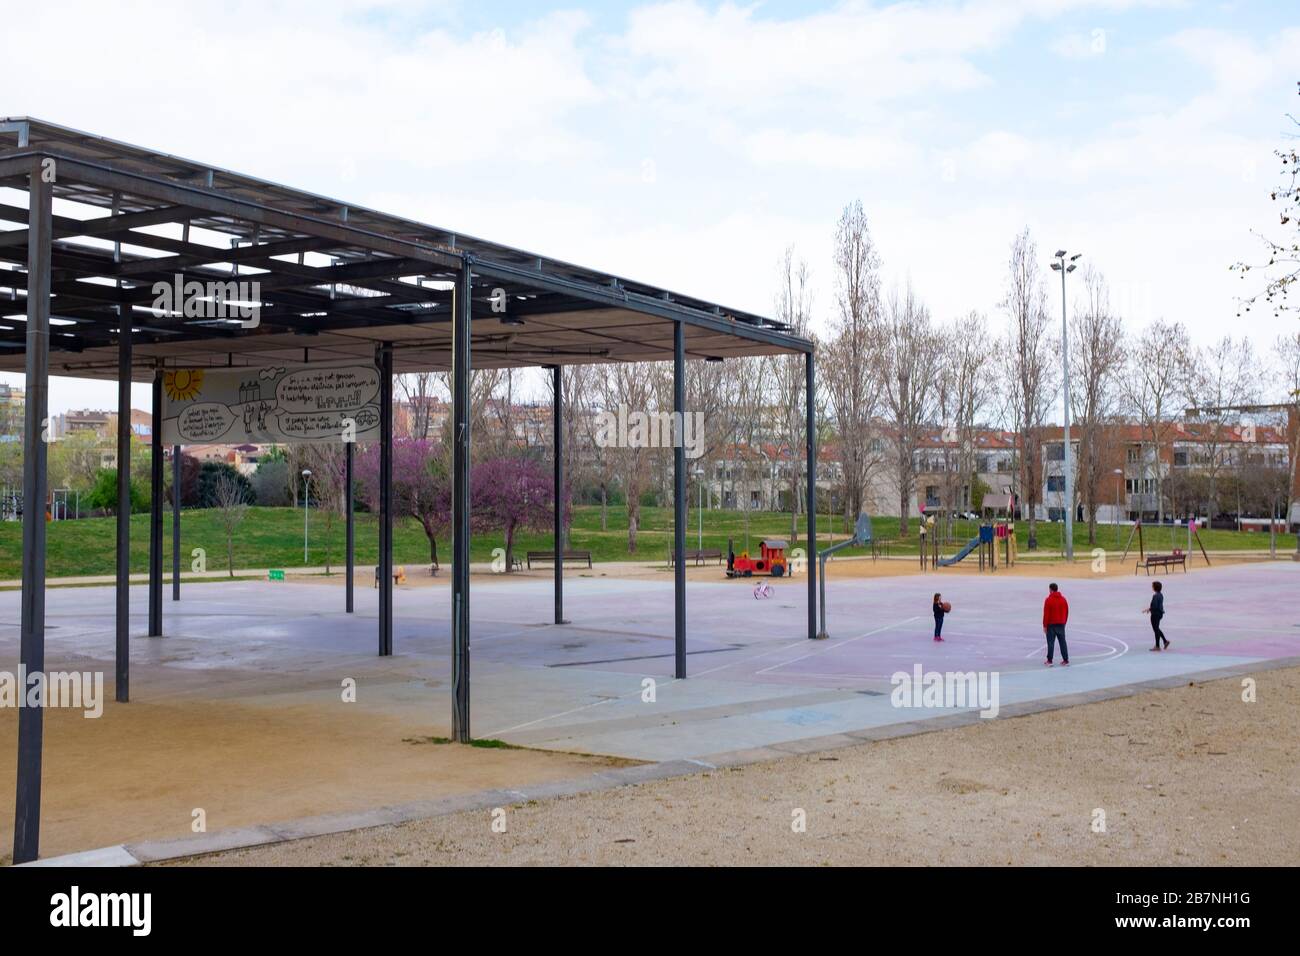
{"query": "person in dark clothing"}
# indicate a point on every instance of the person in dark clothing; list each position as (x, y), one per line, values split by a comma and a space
(1157, 612)
(939, 612)
(1056, 612)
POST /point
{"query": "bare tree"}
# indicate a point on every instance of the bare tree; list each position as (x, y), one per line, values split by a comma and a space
(965, 392)
(1097, 356)
(1220, 376)
(1030, 370)
(1154, 378)
(1281, 262)
(630, 385)
(852, 381)
(786, 372)
(419, 389)
(326, 461)
(1287, 362)
(231, 505)
(909, 358)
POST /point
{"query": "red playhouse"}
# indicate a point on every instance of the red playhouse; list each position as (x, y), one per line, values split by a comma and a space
(771, 560)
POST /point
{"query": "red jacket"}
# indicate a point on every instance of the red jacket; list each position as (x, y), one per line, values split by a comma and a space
(1056, 610)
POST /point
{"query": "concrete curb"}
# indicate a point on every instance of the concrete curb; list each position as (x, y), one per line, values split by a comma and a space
(178, 848)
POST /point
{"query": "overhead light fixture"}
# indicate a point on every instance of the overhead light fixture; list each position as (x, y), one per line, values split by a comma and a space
(1060, 253)
(713, 358)
(511, 320)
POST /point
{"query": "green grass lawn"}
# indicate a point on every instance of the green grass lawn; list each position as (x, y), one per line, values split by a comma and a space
(272, 537)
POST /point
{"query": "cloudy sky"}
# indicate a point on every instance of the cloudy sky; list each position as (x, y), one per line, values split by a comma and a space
(687, 143)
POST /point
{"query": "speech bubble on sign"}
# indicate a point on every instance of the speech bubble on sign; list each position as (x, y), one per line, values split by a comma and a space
(337, 389)
(204, 421)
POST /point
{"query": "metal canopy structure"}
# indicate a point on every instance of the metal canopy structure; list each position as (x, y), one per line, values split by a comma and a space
(105, 221)
(335, 278)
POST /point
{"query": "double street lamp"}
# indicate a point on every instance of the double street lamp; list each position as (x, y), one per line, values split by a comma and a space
(1065, 266)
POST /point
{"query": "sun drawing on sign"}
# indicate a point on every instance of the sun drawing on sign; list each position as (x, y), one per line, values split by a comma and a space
(183, 384)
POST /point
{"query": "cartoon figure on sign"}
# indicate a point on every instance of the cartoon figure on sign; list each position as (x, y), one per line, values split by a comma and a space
(262, 409)
(249, 411)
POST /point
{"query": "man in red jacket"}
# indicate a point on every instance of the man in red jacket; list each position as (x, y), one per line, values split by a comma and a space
(1056, 611)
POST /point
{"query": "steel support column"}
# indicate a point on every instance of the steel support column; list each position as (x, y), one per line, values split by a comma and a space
(460, 377)
(349, 526)
(27, 803)
(679, 498)
(176, 522)
(810, 505)
(386, 500)
(557, 430)
(155, 509)
(123, 651)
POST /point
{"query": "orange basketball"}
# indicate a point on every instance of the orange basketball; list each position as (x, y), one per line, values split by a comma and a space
(946, 607)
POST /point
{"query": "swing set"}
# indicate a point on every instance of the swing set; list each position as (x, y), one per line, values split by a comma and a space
(1177, 558)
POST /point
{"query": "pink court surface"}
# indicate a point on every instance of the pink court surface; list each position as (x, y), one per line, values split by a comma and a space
(603, 683)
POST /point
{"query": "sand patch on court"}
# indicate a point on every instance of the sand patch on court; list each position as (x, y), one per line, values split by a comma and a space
(139, 771)
(1186, 776)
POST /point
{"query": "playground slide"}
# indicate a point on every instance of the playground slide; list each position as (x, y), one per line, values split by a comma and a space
(971, 545)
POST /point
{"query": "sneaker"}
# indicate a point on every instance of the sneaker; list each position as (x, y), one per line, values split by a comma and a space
(1166, 645)
(1065, 663)
(1156, 648)
(1048, 662)
(938, 638)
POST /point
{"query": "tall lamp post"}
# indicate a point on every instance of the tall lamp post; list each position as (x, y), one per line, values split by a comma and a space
(306, 499)
(699, 476)
(1064, 266)
(1119, 480)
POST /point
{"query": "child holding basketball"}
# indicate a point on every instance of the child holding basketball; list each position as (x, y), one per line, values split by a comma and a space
(941, 607)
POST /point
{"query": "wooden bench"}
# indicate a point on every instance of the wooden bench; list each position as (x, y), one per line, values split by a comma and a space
(399, 574)
(543, 557)
(698, 555)
(1177, 559)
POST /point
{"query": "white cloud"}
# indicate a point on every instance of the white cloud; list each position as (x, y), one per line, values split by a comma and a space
(689, 143)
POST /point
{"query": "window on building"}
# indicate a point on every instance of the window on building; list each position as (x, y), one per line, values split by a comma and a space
(1056, 452)
(1056, 482)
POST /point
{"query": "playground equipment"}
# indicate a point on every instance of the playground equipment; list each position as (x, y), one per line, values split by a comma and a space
(771, 560)
(926, 532)
(984, 543)
(1193, 533)
(861, 538)
(1006, 531)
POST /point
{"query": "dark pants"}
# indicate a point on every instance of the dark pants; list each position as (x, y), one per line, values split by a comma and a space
(1056, 632)
(1155, 627)
(938, 624)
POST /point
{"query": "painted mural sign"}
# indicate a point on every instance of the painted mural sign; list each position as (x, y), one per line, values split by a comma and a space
(271, 404)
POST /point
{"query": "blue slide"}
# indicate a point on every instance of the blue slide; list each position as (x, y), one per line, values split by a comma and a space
(971, 545)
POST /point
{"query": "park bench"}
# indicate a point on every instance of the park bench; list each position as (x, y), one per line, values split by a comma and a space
(545, 556)
(1178, 558)
(399, 574)
(698, 555)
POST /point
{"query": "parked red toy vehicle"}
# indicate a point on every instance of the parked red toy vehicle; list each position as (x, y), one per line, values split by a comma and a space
(771, 560)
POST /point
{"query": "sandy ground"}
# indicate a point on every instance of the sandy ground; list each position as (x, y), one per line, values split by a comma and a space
(836, 569)
(1187, 776)
(141, 770)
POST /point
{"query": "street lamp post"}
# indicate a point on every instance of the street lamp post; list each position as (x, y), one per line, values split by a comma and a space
(699, 476)
(1119, 479)
(306, 498)
(1063, 267)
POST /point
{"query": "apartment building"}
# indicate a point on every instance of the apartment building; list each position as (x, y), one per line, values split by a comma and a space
(1244, 468)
